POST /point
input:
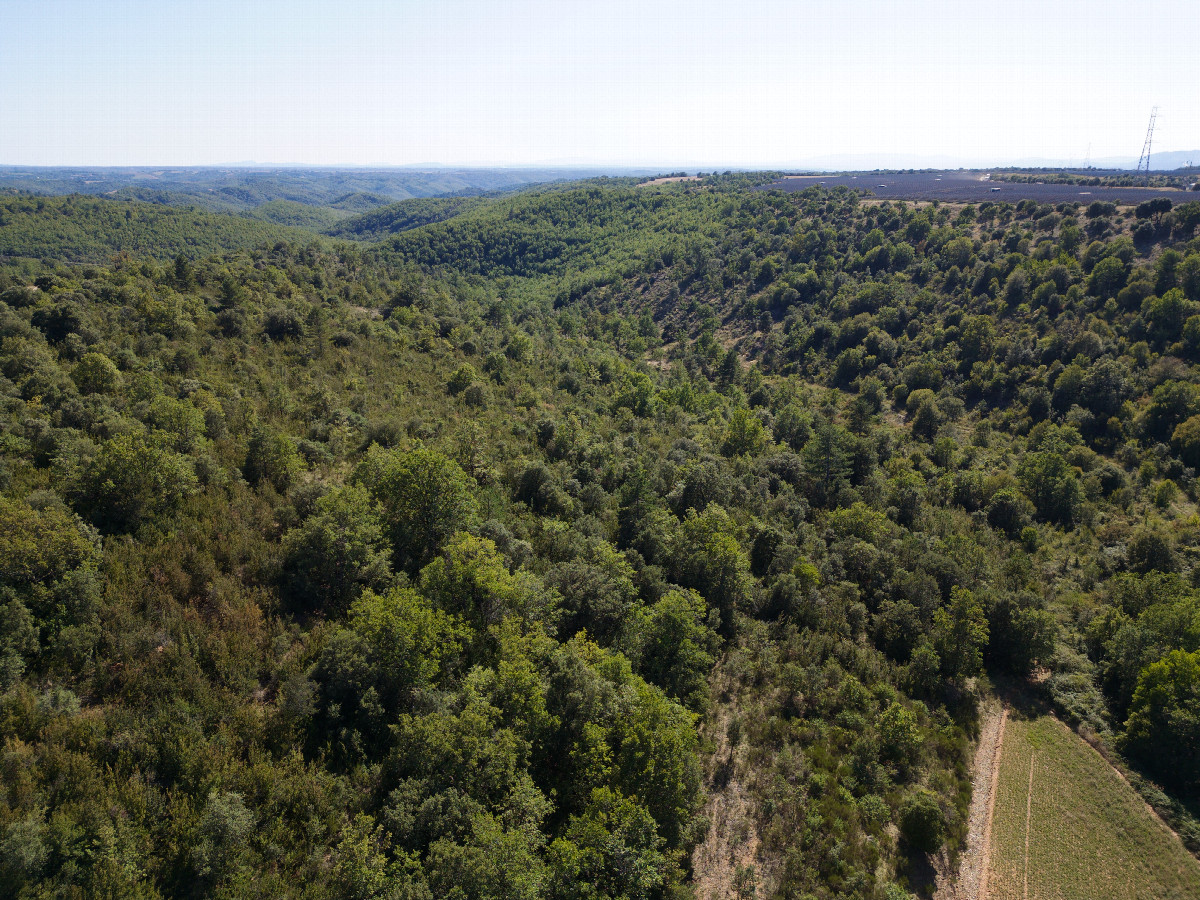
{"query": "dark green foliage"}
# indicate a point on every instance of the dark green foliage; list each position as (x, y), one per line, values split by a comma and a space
(922, 823)
(271, 458)
(1163, 729)
(337, 552)
(129, 480)
(397, 217)
(83, 229)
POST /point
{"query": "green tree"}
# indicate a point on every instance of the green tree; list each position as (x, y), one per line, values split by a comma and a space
(130, 480)
(1051, 484)
(470, 579)
(611, 850)
(636, 394)
(1150, 550)
(271, 458)
(922, 822)
(1163, 728)
(464, 376)
(977, 339)
(961, 634)
(411, 642)
(97, 374)
(1021, 632)
(707, 556)
(675, 647)
(337, 552)
(827, 461)
(425, 498)
(1107, 278)
(225, 825)
(744, 434)
(1009, 511)
(1186, 440)
(899, 736)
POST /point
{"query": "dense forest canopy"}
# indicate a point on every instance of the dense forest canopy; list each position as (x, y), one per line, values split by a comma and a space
(468, 563)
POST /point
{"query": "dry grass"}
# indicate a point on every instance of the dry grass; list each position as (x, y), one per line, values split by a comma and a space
(670, 180)
(731, 841)
(1089, 836)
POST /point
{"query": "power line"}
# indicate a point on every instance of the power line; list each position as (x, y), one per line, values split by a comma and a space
(1145, 157)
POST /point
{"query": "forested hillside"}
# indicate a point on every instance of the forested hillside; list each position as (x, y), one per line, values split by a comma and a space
(394, 218)
(76, 229)
(239, 188)
(483, 561)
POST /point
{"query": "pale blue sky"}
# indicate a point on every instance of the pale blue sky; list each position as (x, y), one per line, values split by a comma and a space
(700, 83)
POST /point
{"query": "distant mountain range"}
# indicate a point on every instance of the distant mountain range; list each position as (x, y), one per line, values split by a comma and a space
(245, 188)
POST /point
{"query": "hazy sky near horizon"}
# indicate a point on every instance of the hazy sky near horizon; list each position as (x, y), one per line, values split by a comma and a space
(657, 82)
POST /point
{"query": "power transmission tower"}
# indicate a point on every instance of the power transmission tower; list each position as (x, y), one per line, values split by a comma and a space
(1145, 157)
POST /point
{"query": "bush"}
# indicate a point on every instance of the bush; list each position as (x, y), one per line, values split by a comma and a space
(922, 822)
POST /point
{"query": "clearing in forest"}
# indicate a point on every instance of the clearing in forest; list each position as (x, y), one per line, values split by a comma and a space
(1066, 826)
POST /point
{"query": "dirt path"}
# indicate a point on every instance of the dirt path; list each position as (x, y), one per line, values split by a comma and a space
(970, 882)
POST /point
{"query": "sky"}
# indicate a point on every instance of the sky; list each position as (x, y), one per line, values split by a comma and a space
(619, 83)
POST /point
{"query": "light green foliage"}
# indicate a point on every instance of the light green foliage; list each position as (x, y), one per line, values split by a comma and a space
(40, 546)
(471, 580)
(636, 394)
(744, 434)
(899, 735)
(96, 374)
(181, 423)
(464, 376)
(409, 640)
(611, 850)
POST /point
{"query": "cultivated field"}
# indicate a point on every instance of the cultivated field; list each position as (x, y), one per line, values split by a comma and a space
(967, 186)
(1067, 827)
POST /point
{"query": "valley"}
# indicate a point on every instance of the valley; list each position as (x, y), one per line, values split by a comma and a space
(599, 539)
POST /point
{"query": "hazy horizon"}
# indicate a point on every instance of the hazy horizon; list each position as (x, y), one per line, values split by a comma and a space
(704, 85)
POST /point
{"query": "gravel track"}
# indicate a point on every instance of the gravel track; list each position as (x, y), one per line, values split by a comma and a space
(970, 882)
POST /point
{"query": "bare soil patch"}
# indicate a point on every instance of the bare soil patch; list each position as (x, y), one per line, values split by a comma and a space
(670, 180)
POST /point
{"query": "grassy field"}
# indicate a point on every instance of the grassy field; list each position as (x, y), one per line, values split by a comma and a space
(1066, 826)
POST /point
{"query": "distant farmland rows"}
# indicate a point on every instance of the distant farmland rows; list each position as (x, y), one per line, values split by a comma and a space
(969, 187)
(1067, 827)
